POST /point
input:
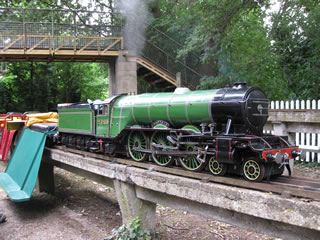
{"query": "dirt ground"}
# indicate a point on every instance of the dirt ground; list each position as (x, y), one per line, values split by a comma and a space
(82, 209)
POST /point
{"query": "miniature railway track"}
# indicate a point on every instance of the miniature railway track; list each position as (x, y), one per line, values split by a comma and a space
(287, 186)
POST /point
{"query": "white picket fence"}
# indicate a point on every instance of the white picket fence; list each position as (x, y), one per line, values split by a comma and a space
(306, 141)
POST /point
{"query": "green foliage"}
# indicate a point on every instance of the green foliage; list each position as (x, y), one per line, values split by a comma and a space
(76, 82)
(311, 165)
(132, 231)
(4, 98)
(233, 39)
(296, 35)
(209, 82)
(247, 56)
(41, 86)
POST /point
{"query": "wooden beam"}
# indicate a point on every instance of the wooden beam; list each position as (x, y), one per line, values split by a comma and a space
(87, 45)
(62, 44)
(37, 44)
(110, 46)
(162, 73)
(122, 43)
(11, 44)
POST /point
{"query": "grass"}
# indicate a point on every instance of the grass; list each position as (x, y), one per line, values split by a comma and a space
(307, 164)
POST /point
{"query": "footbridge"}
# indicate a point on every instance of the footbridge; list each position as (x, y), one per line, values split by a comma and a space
(82, 36)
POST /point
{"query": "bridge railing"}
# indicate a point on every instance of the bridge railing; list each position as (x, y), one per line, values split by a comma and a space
(60, 22)
(163, 50)
(300, 120)
(168, 62)
(31, 30)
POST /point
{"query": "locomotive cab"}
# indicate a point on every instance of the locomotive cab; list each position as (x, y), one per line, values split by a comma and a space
(102, 116)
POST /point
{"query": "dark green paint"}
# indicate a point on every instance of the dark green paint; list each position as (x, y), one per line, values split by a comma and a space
(71, 120)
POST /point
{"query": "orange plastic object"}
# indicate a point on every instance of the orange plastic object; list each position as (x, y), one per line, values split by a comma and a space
(49, 117)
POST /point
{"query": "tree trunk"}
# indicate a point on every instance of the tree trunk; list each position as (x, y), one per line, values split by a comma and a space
(32, 90)
(211, 68)
(155, 8)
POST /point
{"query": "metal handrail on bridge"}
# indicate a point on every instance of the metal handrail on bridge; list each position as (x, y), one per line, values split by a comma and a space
(169, 63)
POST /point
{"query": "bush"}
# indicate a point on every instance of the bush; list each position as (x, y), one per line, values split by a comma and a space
(132, 231)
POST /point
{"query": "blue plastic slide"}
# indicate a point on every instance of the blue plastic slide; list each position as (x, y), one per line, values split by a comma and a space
(20, 176)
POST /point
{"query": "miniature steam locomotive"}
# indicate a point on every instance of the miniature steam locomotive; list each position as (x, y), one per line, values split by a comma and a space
(219, 129)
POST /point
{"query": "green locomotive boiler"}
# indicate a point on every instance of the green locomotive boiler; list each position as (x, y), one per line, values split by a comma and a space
(220, 129)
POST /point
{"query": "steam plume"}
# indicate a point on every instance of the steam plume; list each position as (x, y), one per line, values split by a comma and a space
(135, 13)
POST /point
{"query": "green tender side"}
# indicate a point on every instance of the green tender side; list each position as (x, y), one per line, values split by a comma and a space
(76, 120)
(178, 109)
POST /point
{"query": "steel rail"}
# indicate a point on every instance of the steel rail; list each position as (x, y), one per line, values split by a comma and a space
(286, 189)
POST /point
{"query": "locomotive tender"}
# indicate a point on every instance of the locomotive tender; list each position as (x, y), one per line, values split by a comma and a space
(220, 129)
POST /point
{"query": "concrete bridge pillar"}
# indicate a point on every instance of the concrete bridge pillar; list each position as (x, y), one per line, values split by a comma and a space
(45, 181)
(122, 75)
(280, 129)
(131, 206)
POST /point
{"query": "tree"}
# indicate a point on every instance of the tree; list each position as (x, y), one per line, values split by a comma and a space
(247, 55)
(231, 39)
(295, 34)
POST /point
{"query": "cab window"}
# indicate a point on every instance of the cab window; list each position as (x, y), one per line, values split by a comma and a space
(105, 109)
(101, 109)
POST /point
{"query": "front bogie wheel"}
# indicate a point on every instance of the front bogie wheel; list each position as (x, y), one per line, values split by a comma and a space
(253, 170)
(217, 168)
(137, 140)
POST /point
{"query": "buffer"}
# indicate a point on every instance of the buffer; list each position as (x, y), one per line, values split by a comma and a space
(20, 176)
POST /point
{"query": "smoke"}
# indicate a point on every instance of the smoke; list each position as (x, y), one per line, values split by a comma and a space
(135, 13)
